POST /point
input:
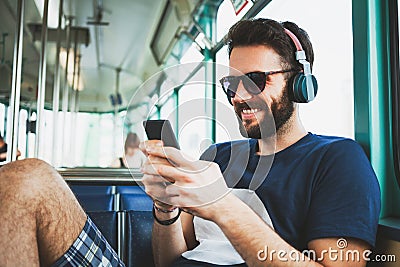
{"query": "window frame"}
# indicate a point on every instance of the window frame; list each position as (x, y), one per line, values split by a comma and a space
(395, 84)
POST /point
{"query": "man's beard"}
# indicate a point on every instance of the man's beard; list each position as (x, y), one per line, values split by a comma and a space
(282, 110)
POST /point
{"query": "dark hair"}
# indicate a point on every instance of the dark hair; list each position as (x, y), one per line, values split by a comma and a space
(132, 140)
(271, 33)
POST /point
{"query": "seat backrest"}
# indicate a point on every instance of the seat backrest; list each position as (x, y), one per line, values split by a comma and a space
(138, 233)
(96, 202)
(106, 221)
(137, 202)
(129, 189)
(91, 189)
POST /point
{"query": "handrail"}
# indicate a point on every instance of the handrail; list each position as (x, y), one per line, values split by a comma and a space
(101, 176)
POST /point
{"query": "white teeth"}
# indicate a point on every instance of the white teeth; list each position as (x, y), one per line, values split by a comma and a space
(250, 111)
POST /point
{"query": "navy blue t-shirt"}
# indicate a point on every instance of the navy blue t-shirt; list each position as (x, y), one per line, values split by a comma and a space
(319, 187)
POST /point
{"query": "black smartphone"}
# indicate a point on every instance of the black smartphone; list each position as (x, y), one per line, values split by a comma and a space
(161, 130)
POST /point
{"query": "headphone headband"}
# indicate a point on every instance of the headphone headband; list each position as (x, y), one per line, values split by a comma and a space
(294, 39)
(300, 53)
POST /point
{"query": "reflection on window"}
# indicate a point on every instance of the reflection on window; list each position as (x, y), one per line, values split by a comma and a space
(332, 110)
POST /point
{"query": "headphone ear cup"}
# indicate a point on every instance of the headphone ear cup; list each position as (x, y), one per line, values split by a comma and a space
(300, 88)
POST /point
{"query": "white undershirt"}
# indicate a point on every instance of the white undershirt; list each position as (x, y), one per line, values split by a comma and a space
(214, 247)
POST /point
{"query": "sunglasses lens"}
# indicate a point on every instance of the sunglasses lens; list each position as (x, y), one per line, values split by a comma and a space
(256, 82)
(230, 84)
(253, 82)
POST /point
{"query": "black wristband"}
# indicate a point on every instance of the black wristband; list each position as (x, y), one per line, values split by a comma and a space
(166, 222)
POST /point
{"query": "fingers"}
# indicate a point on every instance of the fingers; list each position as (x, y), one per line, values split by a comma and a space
(149, 143)
(168, 172)
(157, 160)
(152, 163)
(175, 156)
(155, 187)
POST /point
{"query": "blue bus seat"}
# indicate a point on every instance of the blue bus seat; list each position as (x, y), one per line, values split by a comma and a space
(96, 202)
(137, 202)
(91, 189)
(138, 233)
(106, 221)
(130, 189)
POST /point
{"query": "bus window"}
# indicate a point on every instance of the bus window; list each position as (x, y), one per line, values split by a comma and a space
(168, 111)
(226, 16)
(332, 111)
(193, 119)
(227, 128)
(192, 55)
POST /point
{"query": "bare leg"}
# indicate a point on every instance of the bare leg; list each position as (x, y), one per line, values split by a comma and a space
(39, 216)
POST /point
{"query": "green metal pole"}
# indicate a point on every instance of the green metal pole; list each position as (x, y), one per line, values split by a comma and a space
(207, 20)
(372, 95)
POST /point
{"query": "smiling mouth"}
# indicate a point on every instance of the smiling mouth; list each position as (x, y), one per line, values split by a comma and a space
(249, 114)
(250, 111)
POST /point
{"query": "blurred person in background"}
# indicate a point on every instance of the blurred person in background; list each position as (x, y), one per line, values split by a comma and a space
(3, 150)
(133, 156)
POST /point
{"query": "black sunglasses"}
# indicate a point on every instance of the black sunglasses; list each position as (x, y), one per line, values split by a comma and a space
(253, 82)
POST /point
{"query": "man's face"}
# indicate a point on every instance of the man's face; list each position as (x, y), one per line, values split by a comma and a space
(254, 111)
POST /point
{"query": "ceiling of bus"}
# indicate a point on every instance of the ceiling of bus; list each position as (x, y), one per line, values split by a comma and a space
(123, 42)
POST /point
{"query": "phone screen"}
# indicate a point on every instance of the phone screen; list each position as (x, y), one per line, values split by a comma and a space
(161, 130)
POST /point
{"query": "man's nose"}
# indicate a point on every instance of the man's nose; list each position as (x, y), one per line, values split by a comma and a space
(241, 94)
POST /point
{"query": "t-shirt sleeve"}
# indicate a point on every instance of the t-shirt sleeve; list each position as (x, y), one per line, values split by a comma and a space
(346, 197)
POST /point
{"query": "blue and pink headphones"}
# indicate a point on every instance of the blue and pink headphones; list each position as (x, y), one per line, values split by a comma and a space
(305, 85)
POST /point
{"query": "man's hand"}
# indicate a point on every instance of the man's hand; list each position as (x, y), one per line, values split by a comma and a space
(155, 184)
(173, 178)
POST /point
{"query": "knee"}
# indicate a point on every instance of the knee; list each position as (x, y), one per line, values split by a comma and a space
(27, 172)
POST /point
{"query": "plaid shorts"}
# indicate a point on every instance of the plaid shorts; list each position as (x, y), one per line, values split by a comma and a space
(90, 249)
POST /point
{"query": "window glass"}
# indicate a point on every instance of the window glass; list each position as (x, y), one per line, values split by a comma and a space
(85, 147)
(133, 120)
(226, 17)
(92, 142)
(168, 112)
(332, 110)
(111, 139)
(31, 136)
(192, 55)
(154, 116)
(165, 92)
(227, 125)
(193, 125)
(193, 120)
(47, 137)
